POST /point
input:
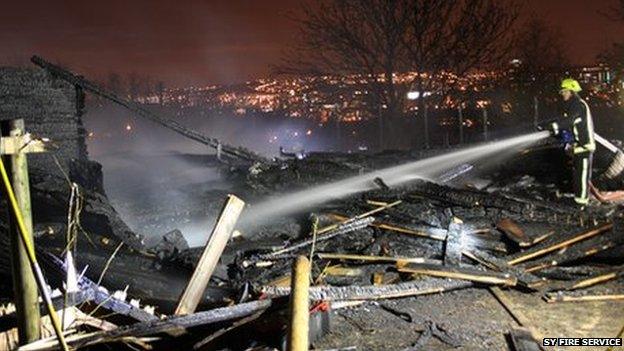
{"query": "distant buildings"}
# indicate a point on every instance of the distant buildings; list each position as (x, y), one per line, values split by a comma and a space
(348, 99)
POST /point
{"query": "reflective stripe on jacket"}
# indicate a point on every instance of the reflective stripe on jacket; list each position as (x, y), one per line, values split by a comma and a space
(578, 118)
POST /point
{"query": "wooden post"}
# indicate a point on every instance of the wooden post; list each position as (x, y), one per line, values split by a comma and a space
(210, 257)
(24, 285)
(299, 310)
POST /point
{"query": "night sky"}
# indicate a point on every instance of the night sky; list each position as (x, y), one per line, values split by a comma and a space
(188, 42)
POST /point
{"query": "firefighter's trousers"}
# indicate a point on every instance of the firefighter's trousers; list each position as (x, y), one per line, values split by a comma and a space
(582, 176)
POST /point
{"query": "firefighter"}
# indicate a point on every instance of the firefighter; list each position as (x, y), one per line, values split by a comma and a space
(577, 129)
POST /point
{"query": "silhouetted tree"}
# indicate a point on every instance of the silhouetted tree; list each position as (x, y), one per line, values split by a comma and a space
(362, 37)
(614, 55)
(543, 57)
(375, 39)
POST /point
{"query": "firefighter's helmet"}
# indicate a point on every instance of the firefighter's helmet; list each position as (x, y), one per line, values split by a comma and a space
(570, 84)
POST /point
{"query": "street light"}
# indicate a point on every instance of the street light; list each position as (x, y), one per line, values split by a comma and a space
(415, 95)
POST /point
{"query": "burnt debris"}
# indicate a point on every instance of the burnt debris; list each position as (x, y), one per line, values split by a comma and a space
(420, 259)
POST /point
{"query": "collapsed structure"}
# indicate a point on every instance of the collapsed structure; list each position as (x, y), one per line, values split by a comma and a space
(480, 257)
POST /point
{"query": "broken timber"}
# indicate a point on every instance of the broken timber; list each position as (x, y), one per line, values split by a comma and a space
(495, 263)
(464, 273)
(210, 257)
(236, 152)
(430, 233)
(566, 297)
(158, 326)
(381, 259)
(572, 253)
(514, 232)
(343, 228)
(90, 291)
(593, 280)
(374, 292)
(545, 248)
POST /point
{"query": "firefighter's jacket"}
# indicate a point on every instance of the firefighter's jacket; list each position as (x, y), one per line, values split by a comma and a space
(578, 119)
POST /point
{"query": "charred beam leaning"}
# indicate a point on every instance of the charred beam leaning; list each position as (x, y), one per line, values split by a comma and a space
(235, 152)
(210, 257)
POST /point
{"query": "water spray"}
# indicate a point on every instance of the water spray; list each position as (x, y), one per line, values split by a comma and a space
(392, 176)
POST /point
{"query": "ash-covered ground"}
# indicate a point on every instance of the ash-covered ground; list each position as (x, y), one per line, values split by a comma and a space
(528, 189)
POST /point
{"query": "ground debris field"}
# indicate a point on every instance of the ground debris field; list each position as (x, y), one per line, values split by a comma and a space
(428, 250)
(467, 260)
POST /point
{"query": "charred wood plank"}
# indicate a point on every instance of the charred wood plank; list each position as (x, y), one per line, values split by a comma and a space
(382, 259)
(581, 250)
(464, 273)
(163, 325)
(567, 240)
(567, 297)
(344, 228)
(101, 296)
(592, 280)
(375, 292)
(515, 232)
(425, 232)
(524, 278)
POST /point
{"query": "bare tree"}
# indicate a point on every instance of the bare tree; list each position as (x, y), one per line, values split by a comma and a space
(455, 37)
(375, 39)
(542, 55)
(362, 37)
(614, 55)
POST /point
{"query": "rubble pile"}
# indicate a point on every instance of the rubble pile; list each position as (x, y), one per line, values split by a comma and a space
(481, 256)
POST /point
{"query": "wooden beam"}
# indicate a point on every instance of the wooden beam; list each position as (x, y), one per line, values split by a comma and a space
(597, 279)
(154, 327)
(464, 273)
(573, 253)
(299, 306)
(514, 232)
(21, 144)
(360, 216)
(560, 297)
(541, 250)
(527, 279)
(395, 228)
(382, 259)
(24, 284)
(210, 257)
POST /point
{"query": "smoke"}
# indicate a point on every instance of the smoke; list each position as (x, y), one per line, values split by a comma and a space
(158, 180)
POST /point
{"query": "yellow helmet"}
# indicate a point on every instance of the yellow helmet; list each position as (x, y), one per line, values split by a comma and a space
(570, 84)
